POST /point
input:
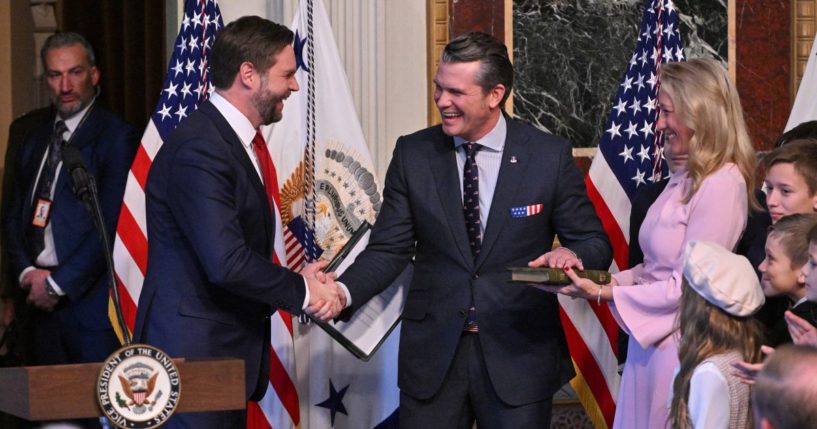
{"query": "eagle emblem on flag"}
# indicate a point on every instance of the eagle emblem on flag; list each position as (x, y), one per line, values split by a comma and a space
(346, 196)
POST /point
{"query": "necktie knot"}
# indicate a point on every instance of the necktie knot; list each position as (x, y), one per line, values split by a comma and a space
(258, 140)
(59, 133)
(60, 128)
(471, 148)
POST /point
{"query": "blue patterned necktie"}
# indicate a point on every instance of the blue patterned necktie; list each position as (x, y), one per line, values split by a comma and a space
(470, 206)
(36, 234)
(470, 197)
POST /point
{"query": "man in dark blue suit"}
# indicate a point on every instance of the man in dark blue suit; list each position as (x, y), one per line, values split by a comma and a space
(467, 199)
(52, 244)
(211, 284)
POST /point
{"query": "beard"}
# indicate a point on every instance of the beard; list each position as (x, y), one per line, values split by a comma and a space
(265, 102)
(67, 110)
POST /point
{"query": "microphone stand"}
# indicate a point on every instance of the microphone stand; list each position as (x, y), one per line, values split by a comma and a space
(85, 189)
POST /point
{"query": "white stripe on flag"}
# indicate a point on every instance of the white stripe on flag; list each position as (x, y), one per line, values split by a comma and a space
(151, 140)
(129, 274)
(134, 200)
(611, 192)
(275, 414)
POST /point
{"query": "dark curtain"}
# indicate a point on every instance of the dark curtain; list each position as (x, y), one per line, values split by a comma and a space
(128, 38)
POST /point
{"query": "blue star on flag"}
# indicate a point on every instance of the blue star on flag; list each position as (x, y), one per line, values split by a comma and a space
(335, 402)
(298, 45)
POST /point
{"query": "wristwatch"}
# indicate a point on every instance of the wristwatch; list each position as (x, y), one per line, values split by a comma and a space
(50, 290)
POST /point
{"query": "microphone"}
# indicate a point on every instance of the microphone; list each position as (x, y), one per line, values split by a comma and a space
(72, 160)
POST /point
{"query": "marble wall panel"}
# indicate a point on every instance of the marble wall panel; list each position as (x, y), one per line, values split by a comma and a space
(477, 15)
(763, 67)
(570, 56)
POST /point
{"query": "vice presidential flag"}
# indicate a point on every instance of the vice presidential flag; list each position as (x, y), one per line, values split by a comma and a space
(328, 190)
(805, 104)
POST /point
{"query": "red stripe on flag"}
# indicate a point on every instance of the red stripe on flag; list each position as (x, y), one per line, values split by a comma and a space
(286, 317)
(284, 387)
(589, 367)
(255, 417)
(608, 221)
(295, 261)
(132, 238)
(141, 166)
(608, 322)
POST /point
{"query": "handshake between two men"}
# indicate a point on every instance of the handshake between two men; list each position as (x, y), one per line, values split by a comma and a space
(326, 298)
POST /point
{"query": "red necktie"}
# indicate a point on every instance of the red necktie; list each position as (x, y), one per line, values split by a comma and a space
(259, 146)
(267, 169)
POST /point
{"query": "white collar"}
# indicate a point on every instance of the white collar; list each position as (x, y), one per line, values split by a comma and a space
(238, 122)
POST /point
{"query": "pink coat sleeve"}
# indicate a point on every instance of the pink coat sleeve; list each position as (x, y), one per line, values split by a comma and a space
(717, 213)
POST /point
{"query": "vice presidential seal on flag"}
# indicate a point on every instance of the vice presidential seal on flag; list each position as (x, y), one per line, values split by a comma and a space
(328, 190)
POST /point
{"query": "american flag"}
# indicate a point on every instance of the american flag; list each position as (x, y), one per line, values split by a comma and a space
(186, 86)
(628, 156)
(526, 211)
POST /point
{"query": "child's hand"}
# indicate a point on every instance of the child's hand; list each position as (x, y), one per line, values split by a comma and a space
(747, 372)
(801, 331)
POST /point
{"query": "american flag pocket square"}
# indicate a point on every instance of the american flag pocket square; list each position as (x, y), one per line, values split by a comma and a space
(526, 211)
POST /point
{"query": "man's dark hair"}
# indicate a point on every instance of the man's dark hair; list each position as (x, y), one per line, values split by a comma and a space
(249, 38)
(61, 40)
(495, 66)
(806, 130)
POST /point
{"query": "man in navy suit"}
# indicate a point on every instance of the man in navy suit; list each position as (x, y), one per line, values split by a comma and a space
(467, 199)
(52, 244)
(211, 284)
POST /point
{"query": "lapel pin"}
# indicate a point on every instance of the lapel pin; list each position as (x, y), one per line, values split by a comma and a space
(513, 159)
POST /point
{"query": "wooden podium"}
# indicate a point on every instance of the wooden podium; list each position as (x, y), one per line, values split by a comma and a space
(61, 392)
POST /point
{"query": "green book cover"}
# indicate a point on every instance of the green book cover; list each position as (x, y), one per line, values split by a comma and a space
(555, 276)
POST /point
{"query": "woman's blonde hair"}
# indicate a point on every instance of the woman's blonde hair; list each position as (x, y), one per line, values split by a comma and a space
(708, 103)
(706, 331)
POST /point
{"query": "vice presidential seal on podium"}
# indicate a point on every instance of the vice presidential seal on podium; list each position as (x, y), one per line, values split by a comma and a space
(138, 387)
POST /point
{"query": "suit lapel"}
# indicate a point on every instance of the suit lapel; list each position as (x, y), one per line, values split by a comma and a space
(447, 181)
(241, 157)
(510, 180)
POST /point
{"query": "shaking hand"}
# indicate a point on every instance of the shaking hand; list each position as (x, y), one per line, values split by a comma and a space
(326, 299)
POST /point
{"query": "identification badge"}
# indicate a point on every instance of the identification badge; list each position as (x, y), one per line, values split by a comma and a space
(42, 211)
